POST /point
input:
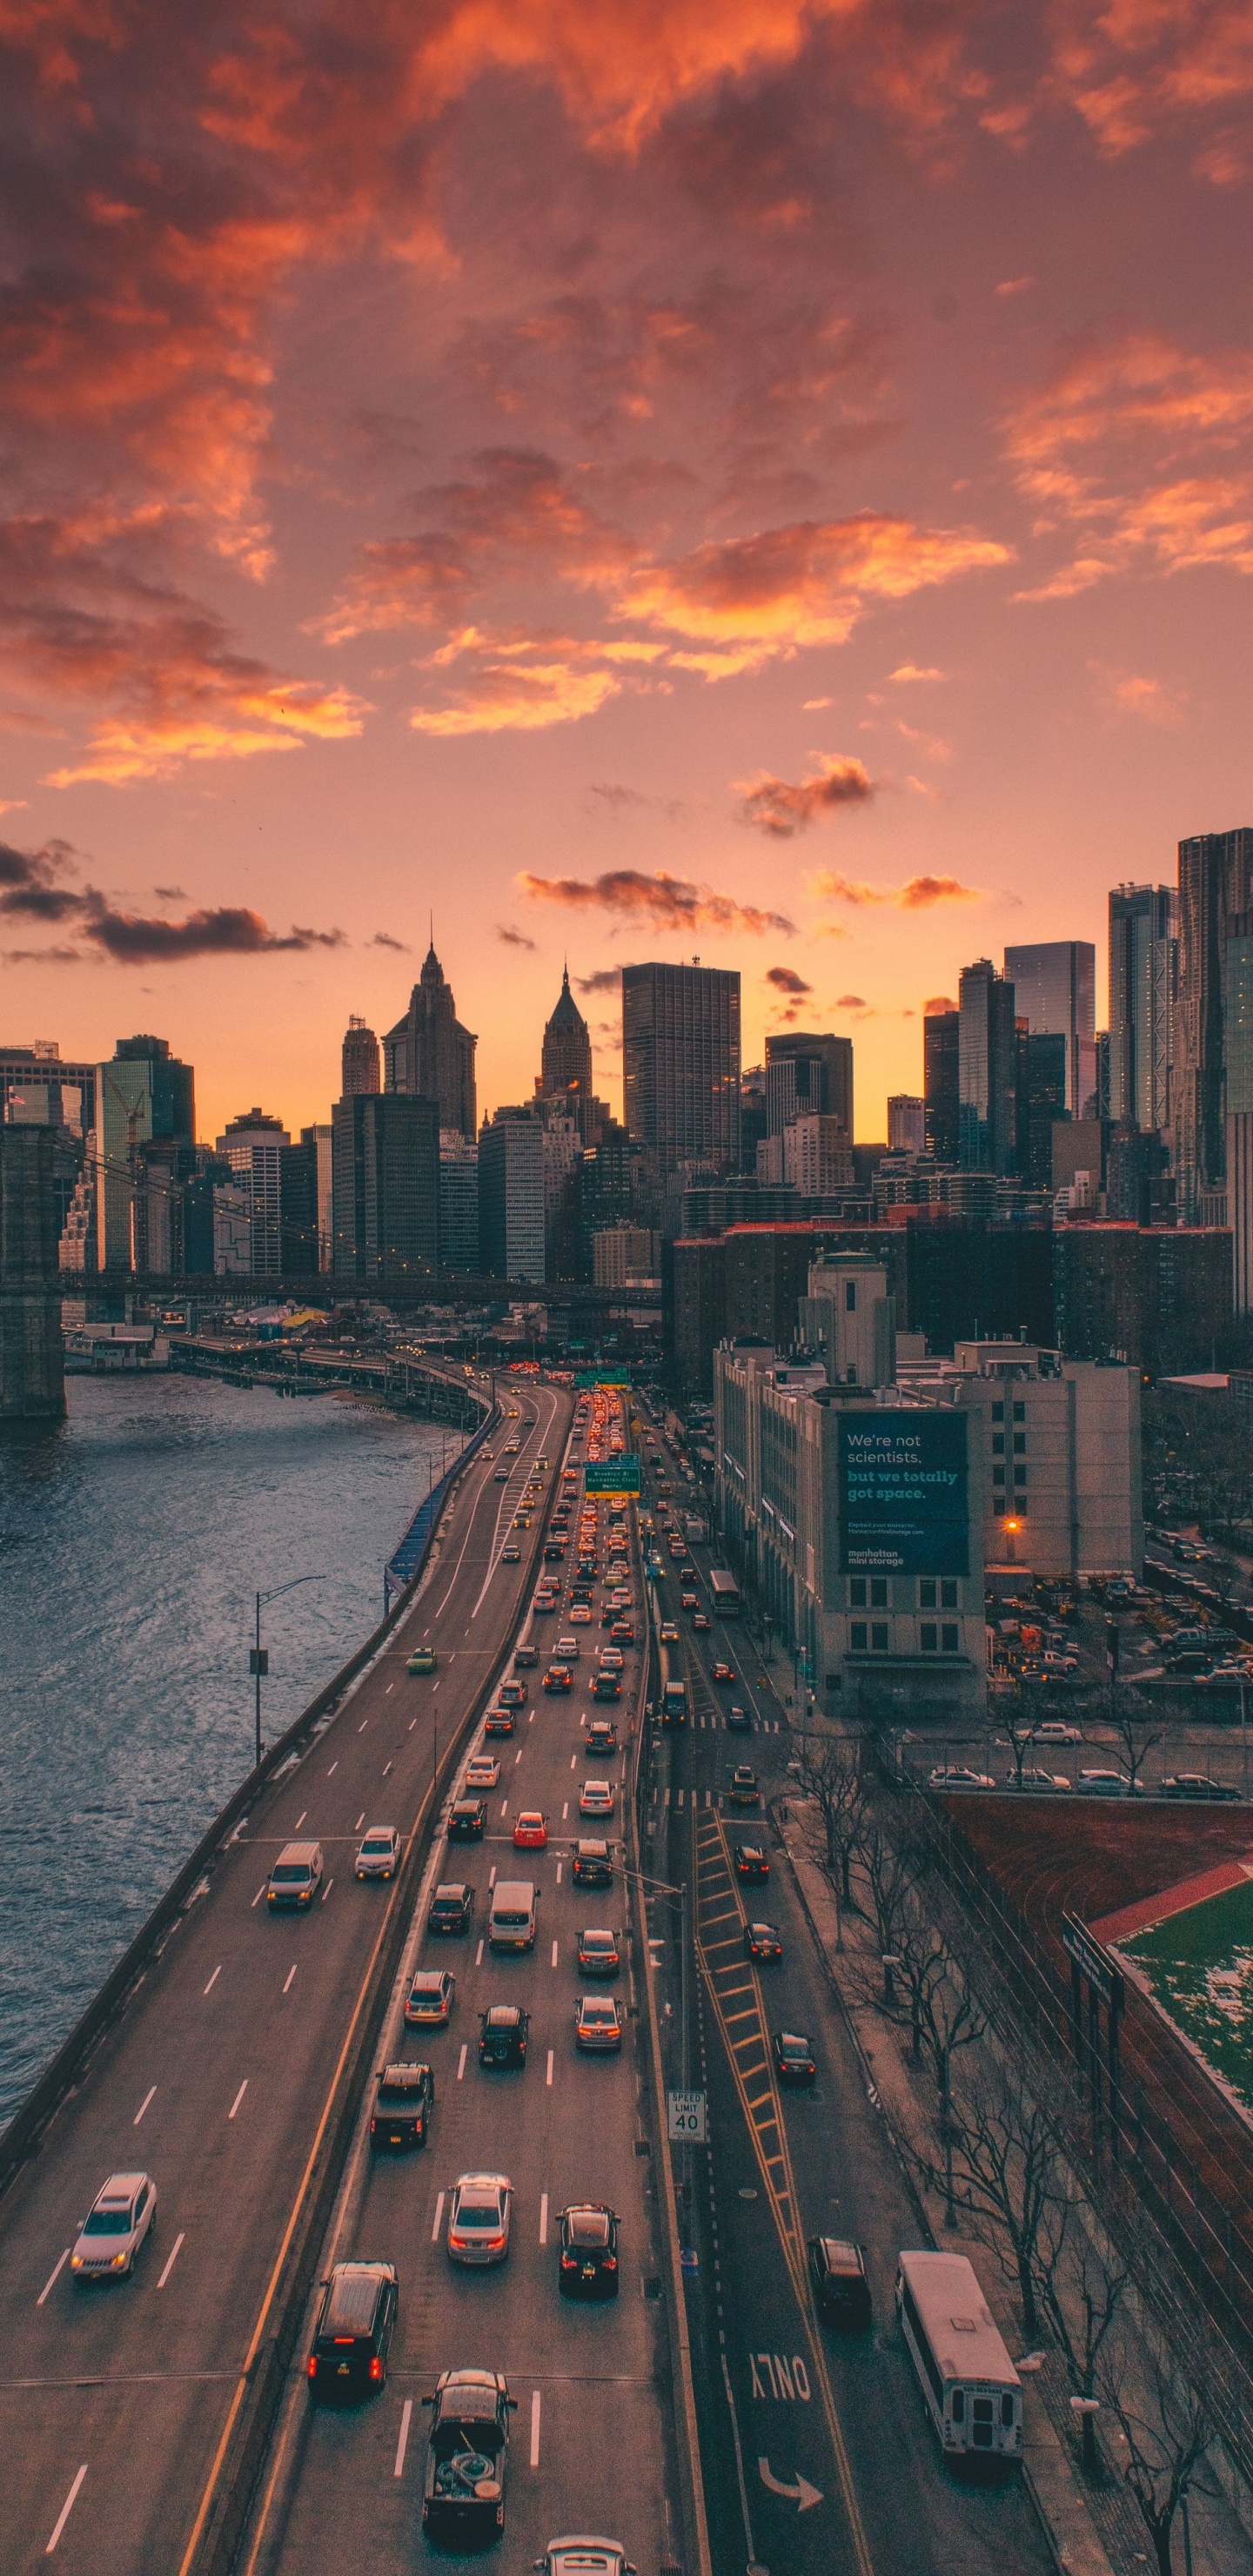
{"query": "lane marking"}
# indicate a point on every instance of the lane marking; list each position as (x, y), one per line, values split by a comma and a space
(517, 1757)
(238, 2099)
(327, 1889)
(214, 1978)
(287, 1982)
(535, 2398)
(334, 1766)
(361, 1818)
(491, 1877)
(171, 2260)
(362, 1728)
(57, 2267)
(554, 1954)
(259, 1894)
(390, 1688)
(438, 2219)
(411, 1725)
(504, 1806)
(143, 2106)
(461, 2062)
(406, 2416)
(66, 2510)
(386, 1768)
(565, 1811)
(573, 1759)
(300, 1820)
(478, 1956)
(549, 2077)
(543, 2218)
(558, 1873)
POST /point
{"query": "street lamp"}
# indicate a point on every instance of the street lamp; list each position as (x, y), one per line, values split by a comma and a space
(259, 1656)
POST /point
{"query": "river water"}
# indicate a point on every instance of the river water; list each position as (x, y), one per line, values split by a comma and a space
(133, 1538)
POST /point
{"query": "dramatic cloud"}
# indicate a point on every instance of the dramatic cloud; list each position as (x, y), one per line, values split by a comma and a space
(517, 508)
(511, 938)
(786, 980)
(918, 894)
(670, 903)
(772, 806)
(606, 979)
(30, 890)
(495, 695)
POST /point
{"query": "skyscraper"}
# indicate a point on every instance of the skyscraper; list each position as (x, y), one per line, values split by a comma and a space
(359, 1059)
(253, 1146)
(1143, 981)
(511, 1196)
(1215, 893)
(1054, 983)
(145, 1146)
(941, 1056)
(566, 1057)
(458, 1203)
(907, 1123)
(386, 1190)
(430, 1055)
(987, 1071)
(681, 1063)
(834, 1084)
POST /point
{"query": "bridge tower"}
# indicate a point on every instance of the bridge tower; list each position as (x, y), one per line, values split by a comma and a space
(32, 1352)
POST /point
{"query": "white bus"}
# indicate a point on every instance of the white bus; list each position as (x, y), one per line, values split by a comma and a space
(726, 1592)
(970, 2387)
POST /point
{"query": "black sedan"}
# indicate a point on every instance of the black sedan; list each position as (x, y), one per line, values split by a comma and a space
(1195, 1784)
(355, 2325)
(751, 1861)
(467, 2457)
(794, 2060)
(837, 2271)
(762, 1941)
(402, 2106)
(588, 2255)
(503, 2030)
(468, 1820)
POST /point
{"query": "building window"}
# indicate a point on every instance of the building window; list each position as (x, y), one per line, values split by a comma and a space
(857, 1637)
(999, 1505)
(949, 1640)
(998, 1444)
(1020, 1444)
(857, 1592)
(850, 1375)
(930, 1636)
(926, 1593)
(998, 1412)
(850, 1296)
(998, 1475)
(1020, 1413)
(948, 1594)
(878, 1592)
(1020, 1475)
(879, 1637)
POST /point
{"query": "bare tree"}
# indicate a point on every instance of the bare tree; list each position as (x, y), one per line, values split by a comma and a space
(1165, 2443)
(1006, 2181)
(1137, 1731)
(829, 1774)
(1081, 2295)
(889, 1876)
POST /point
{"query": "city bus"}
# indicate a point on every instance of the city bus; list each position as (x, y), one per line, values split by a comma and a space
(673, 1689)
(726, 1593)
(970, 2387)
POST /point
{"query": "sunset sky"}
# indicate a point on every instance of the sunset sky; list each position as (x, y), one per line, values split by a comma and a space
(632, 478)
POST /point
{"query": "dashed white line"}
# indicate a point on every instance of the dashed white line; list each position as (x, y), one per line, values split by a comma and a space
(406, 2417)
(543, 2218)
(238, 2099)
(491, 1878)
(362, 1728)
(461, 2062)
(549, 2077)
(143, 2106)
(565, 1811)
(214, 1978)
(535, 2397)
(259, 1894)
(438, 2220)
(361, 1818)
(327, 1889)
(171, 2260)
(287, 1980)
(558, 1873)
(504, 1806)
(334, 1767)
(386, 1768)
(300, 1820)
(390, 1688)
(478, 1956)
(411, 1725)
(66, 2510)
(573, 1760)
(517, 1757)
(554, 1954)
(57, 2267)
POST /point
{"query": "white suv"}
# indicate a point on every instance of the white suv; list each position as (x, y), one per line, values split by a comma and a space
(110, 2236)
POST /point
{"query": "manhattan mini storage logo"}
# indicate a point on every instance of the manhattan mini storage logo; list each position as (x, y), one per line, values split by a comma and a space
(903, 1494)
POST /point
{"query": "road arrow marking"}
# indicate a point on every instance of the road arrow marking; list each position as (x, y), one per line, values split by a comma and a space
(802, 2495)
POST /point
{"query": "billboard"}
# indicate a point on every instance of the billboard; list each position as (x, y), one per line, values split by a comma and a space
(612, 1476)
(903, 1500)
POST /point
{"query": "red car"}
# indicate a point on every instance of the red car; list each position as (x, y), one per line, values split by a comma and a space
(499, 1721)
(724, 1672)
(530, 1833)
(558, 1678)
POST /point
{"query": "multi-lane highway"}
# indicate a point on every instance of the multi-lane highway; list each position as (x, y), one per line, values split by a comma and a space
(218, 2079)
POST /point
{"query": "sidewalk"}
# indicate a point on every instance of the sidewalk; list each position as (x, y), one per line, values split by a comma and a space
(1093, 2533)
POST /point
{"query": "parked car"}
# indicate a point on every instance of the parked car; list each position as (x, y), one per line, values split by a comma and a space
(1105, 1784)
(953, 1775)
(1195, 1784)
(1036, 1780)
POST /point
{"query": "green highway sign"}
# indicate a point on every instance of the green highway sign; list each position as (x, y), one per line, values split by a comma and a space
(601, 1377)
(612, 1476)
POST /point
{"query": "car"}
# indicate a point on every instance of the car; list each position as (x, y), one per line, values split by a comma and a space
(467, 1821)
(501, 1476)
(1037, 1780)
(598, 2022)
(498, 1721)
(356, 2322)
(612, 1660)
(1223, 1677)
(669, 1633)
(429, 2002)
(554, 1550)
(451, 1908)
(592, 1865)
(580, 1614)
(530, 1830)
(596, 1798)
(512, 1694)
(751, 1861)
(543, 1604)
(744, 1789)
(478, 2218)
(738, 1720)
(423, 1660)
(467, 2457)
(598, 1953)
(118, 2222)
(379, 1856)
(295, 1878)
(511, 1555)
(482, 1771)
(794, 2060)
(404, 2096)
(622, 1633)
(606, 1686)
(566, 1650)
(1056, 1730)
(525, 1658)
(1195, 1784)
(503, 2030)
(587, 2263)
(762, 1941)
(558, 1678)
(837, 2272)
(602, 1733)
(702, 1621)
(1105, 1784)
(724, 1673)
(689, 1601)
(954, 1775)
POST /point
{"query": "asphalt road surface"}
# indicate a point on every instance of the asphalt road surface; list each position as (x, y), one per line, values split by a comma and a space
(113, 2400)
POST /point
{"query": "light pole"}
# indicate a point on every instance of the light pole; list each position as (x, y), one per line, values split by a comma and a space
(259, 1658)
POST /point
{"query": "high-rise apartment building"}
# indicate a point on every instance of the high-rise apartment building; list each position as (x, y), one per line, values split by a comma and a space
(823, 1078)
(987, 1071)
(1215, 899)
(1054, 983)
(566, 1057)
(681, 1063)
(907, 1123)
(386, 1190)
(458, 1203)
(253, 1146)
(941, 1055)
(429, 1055)
(817, 1155)
(359, 1061)
(1143, 982)
(145, 1147)
(511, 1196)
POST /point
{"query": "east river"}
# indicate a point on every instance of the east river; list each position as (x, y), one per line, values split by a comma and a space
(133, 1539)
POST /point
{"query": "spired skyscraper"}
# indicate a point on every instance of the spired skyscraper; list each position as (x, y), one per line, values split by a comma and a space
(566, 1056)
(430, 1055)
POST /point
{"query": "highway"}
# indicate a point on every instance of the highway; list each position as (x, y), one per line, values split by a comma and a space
(815, 2449)
(217, 2079)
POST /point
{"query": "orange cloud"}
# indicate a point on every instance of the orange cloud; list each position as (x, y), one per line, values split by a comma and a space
(518, 697)
(670, 903)
(918, 894)
(775, 807)
(750, 598)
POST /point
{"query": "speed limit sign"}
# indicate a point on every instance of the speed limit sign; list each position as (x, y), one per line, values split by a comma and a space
(685, 2118)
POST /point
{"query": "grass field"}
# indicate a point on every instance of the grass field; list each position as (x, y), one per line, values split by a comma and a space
(1200, 1968)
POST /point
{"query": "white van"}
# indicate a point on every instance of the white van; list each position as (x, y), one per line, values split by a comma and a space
(511, 1923)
